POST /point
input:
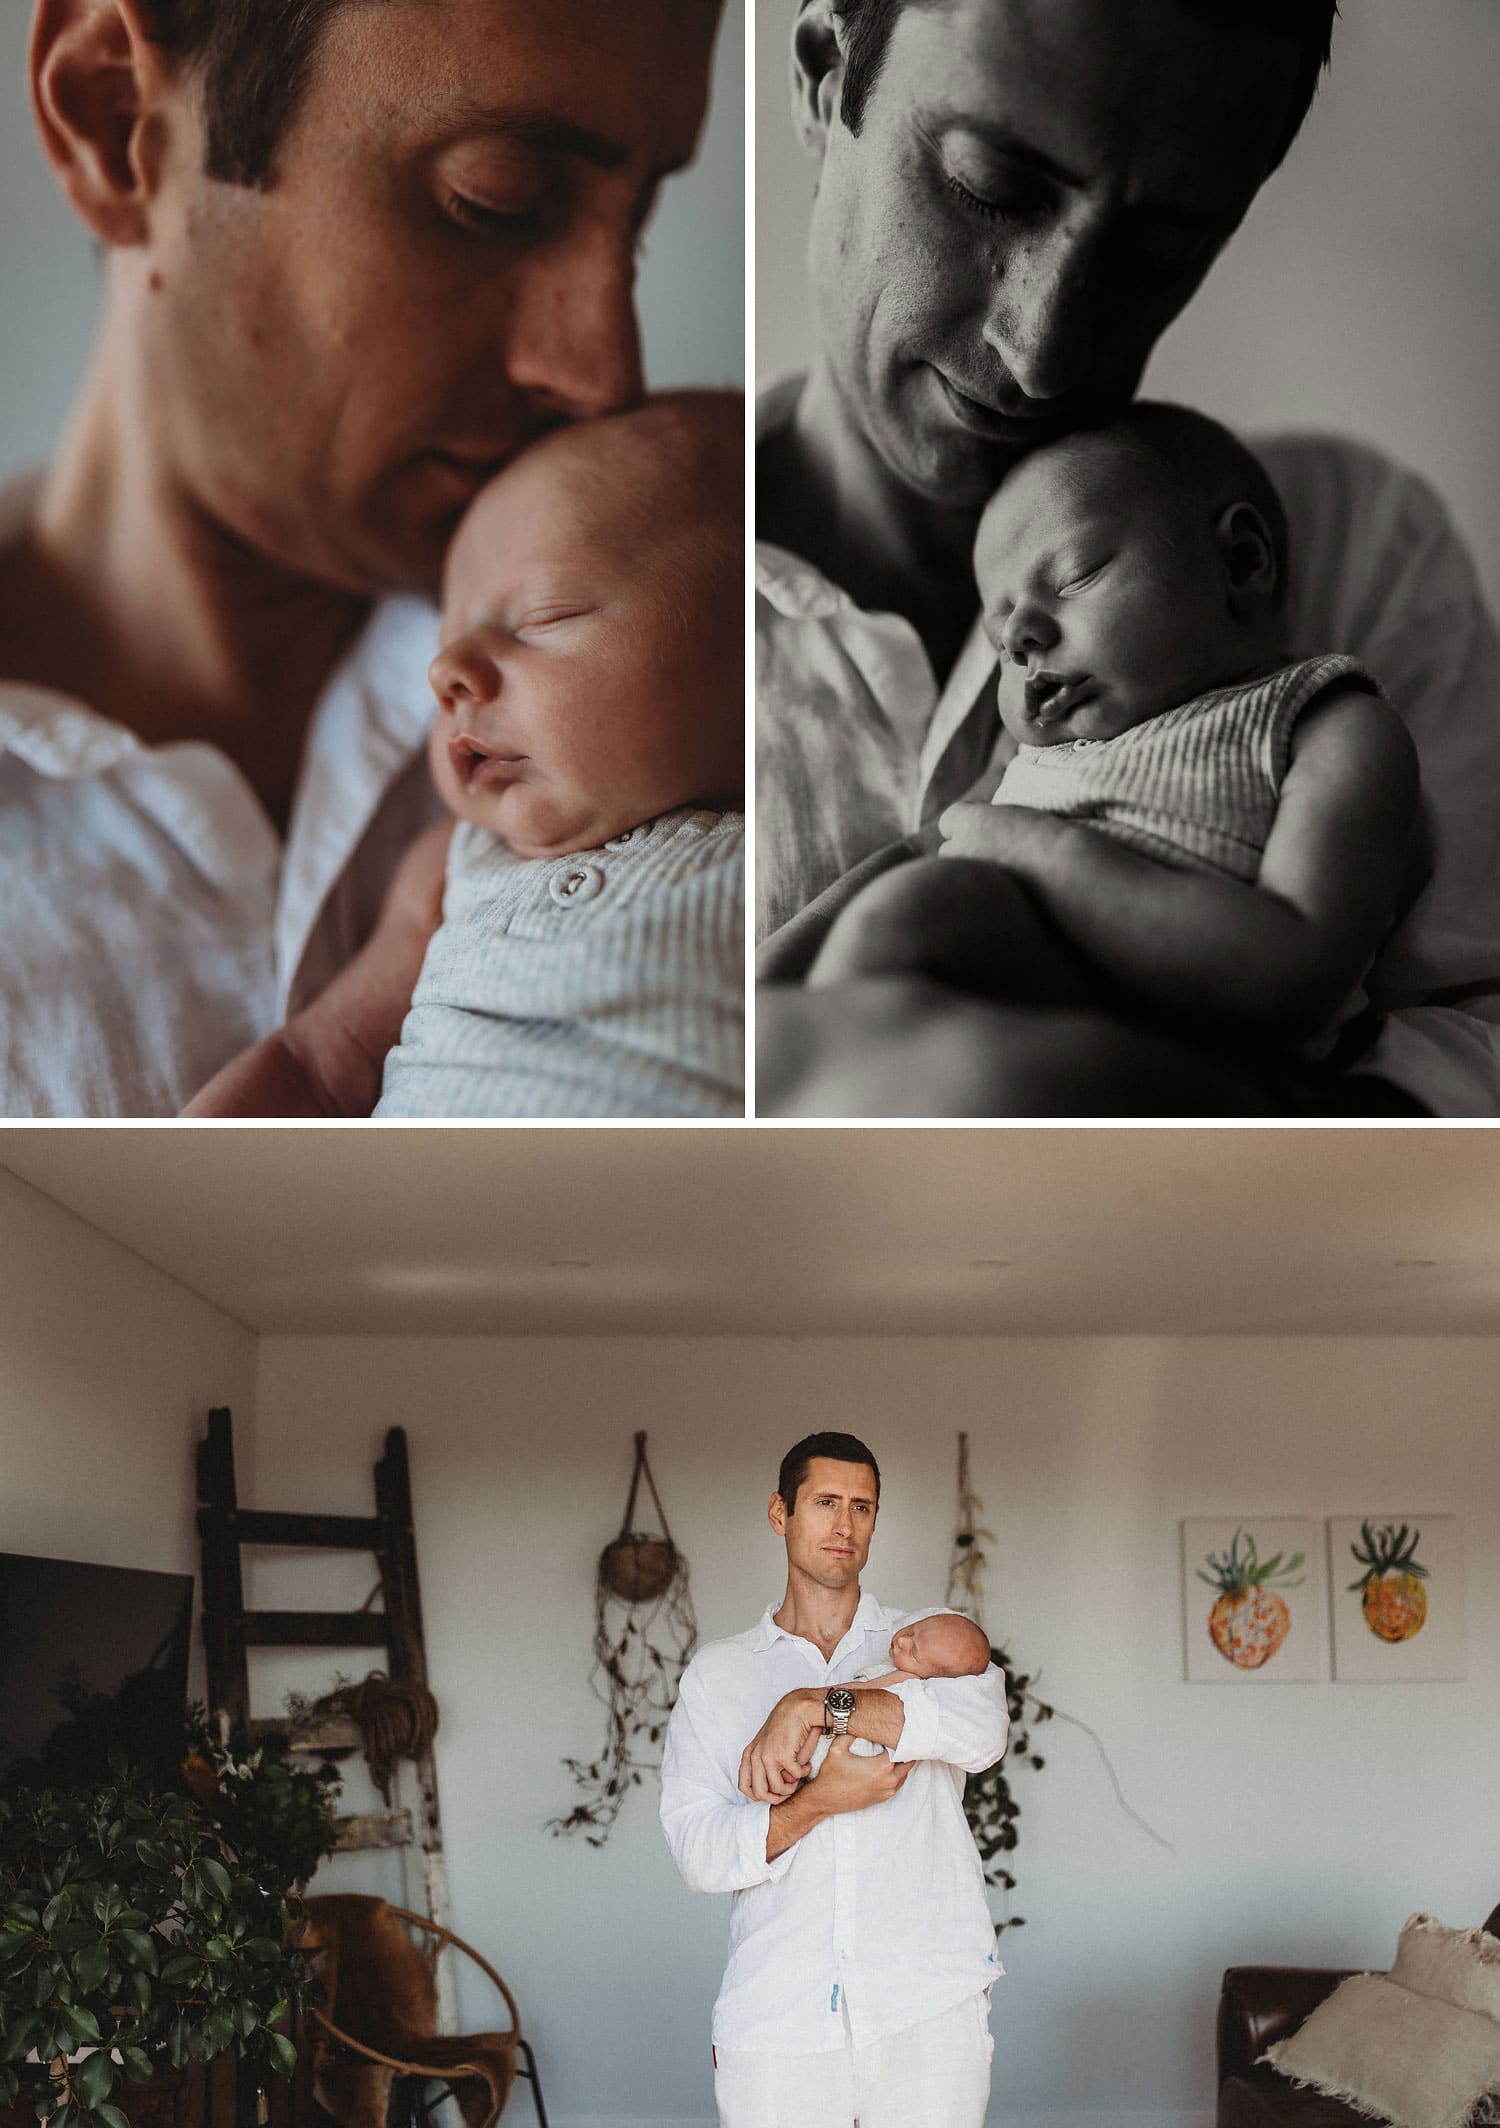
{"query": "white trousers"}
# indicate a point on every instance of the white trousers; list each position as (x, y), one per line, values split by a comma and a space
(932, 2075)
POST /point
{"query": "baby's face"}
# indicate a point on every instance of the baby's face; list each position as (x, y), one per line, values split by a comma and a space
(576, 698)
(942, 1646)
(1105, 597)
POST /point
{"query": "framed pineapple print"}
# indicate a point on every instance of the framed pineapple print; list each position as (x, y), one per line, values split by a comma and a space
(1252, 1612)
(1398, 1597)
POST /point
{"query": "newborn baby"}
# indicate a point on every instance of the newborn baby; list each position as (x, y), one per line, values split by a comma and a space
(1192, 819)
(941, 1644)
(590, 744)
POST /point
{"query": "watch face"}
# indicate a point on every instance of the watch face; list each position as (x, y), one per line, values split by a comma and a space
(838, 1699)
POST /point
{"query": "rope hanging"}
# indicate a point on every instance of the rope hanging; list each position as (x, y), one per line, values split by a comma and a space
(644, 1635)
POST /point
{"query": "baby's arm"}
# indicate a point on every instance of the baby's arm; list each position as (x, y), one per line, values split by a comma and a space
(328, 1059)
(1279, 953)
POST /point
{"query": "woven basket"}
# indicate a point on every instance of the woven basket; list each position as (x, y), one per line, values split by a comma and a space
(638, 1569)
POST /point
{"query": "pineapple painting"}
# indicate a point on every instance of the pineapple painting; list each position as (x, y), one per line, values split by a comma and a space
(1250, 1618)
(1263, 1622)
(1394, 1601)
(1401, 1619)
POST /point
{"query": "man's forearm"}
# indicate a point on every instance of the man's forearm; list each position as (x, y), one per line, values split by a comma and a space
(792, 1820)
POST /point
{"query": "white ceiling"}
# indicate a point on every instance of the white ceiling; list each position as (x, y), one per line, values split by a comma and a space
(796, 1231)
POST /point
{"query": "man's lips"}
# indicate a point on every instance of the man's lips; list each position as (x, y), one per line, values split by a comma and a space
(475, 763)
(1051, 696)
(982, 418)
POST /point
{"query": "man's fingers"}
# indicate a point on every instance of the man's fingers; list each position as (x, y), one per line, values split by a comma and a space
(966, 829)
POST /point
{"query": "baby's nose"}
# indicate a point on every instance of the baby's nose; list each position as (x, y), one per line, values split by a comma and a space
(463, 673)
(1027, 634)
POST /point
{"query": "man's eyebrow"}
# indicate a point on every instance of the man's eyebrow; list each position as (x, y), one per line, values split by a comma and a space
(551, 135)
(996, 134)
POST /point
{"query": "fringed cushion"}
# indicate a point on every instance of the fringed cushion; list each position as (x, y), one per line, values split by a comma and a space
(1419, 2048)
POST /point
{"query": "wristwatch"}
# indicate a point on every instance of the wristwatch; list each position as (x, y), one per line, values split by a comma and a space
(838, 1705)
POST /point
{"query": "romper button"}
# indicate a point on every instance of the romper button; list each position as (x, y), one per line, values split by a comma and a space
(631, 837)
(579, 883)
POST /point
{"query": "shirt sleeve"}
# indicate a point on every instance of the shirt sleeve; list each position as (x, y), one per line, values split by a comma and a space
(964, 1721)
(716, 1835)
(1379, 570)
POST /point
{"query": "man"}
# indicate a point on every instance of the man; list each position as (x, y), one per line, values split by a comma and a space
(861, 1951)
(355, 257)
(1014, 198)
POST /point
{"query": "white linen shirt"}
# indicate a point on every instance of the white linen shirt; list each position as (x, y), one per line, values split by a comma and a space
(152, 922)
(884, 1906)
(857, 746)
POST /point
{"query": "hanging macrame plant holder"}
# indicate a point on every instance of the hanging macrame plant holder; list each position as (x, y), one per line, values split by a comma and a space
(644, 1636)
(637, 1568)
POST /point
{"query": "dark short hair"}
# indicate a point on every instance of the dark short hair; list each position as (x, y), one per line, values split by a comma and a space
(1205, 464)
(838, 1447)
(253, 58)
(867, 26)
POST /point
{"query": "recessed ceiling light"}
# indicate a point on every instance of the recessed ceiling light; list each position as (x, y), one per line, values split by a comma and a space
(572, 1263)
(1416, 1263)
(991, 1263)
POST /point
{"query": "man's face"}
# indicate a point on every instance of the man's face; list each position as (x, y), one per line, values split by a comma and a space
(828, 1533)
(442, 267)
(1036, 189)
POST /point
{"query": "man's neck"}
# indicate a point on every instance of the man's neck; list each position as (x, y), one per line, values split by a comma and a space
(124, 592)
(811, 1612)
(824, 494)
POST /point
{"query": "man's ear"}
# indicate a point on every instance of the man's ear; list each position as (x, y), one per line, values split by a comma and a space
(95, 77)
(1248, 554)
(817, 74)
(776, 1514)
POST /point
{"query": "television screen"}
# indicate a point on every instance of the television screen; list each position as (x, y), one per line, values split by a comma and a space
(90, 1657)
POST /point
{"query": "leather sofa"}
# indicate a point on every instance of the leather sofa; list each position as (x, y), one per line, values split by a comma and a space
(1259, 2004)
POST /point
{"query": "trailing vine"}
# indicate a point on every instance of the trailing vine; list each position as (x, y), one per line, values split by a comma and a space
(644, 1635)
(989, 1804)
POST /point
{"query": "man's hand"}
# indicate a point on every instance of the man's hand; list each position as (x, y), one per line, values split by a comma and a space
(779, 1756)
(845, 1782)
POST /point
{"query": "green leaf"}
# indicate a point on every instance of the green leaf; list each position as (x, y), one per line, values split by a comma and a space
(184, 1966)
(82, 2023)
(54, 1911)
(218, 1877)
(10, 2085)
(20, 2035)
(136, 1947)
(177, 2042)
(111, 2116)
(91, 1965)
(95, 2080)
(246, 2016)
(137, 2064)
(218, 2030)
(283, 2054)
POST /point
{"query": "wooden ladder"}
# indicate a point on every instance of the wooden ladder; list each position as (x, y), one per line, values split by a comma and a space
(229, 1630)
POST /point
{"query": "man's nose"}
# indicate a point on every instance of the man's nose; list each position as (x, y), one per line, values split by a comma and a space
(1030, 632)
(575, 344)
(1041, 322)
(463, 674)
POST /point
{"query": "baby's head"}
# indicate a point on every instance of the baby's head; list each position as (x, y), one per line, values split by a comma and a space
(944, 1645)
(1127, 568)
(592, 668)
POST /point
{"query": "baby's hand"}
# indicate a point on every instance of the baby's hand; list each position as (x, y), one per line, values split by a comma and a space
(1015, 835)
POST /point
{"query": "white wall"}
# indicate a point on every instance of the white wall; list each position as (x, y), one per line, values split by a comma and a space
(1308, 1820)
(107, 1369)
(1361, 295)
(691, 289)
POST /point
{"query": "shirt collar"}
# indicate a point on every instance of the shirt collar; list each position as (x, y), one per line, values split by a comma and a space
(869, 1617)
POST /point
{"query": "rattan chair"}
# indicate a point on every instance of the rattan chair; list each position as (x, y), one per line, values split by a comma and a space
(418, 2060)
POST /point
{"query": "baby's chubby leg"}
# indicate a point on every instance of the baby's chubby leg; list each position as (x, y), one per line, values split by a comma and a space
(963, 921)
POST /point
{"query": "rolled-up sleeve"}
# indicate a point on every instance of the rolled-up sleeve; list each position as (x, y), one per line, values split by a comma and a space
(964, 1721)
(716, 1835)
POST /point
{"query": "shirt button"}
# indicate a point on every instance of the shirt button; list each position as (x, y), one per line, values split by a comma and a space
(631, 836)
(579, 883)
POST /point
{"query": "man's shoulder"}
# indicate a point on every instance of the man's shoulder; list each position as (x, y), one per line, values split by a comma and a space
(716, 1659)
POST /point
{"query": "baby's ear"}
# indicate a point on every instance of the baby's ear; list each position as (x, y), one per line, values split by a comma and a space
(1251, 575)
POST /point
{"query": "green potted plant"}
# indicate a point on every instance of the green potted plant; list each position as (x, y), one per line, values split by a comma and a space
(142, 1931)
